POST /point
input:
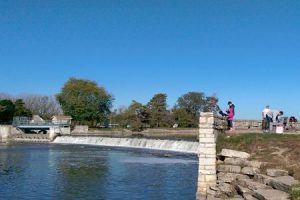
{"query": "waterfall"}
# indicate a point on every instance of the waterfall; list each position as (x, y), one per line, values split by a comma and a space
(157, 144)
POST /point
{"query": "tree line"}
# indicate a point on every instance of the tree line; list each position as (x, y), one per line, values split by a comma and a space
(88, 103)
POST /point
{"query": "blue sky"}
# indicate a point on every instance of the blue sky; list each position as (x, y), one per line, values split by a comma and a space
(246, 51)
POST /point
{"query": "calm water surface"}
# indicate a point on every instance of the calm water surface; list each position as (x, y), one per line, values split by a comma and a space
(43, 171)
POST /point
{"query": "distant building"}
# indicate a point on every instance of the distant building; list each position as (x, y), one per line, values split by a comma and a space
(61, 119)
(36, 119)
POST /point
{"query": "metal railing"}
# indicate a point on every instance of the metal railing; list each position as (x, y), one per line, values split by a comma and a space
(28, 121)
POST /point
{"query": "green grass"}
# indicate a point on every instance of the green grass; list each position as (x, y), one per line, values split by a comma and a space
(246, 141)
(295, 192)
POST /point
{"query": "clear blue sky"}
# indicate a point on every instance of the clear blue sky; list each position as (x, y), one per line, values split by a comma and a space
(247, 51)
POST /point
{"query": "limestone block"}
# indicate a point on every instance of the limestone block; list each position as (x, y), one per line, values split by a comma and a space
(229, 168)
(211, 197)
(210, 145)
(250, 170)
(227, 189)
(207, 172)
(277, 172)
(261, 178)
(230, 177)
(234, 161)
(234, 154)
(207, 161)
(210, 167)
(202, 120)
(211, 178)
(283, 183)
(207, 150)
(253, 163)
(207, 140)
(242, 190)
(250, 184)
(210, 120)
(270, 194)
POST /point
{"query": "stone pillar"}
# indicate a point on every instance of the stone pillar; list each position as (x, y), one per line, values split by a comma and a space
(5, 132)
(53, 132)
(207, 175)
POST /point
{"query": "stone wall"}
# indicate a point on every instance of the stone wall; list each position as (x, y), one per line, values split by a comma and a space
(209, 128)
(81, 129)
(257, 125)
(247, 124)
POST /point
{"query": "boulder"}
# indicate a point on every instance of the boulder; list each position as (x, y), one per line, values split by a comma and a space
(250, 171)
(277, 172)
(270, 194)
(229, 168)
(283, 183)
(251, 185)
(234, 154)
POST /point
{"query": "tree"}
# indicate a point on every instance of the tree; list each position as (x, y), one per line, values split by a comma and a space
(44, 106)
(20, 109)
(188, 107)
(136, 117)
(85, 101)
(159, 115)
(7, 110)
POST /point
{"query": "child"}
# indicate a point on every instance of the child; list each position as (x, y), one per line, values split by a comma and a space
(230, 115)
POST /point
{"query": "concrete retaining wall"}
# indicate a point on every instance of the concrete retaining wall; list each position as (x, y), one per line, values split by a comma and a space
(81, 129)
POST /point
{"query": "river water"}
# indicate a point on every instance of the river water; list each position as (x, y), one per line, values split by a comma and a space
(53, 171)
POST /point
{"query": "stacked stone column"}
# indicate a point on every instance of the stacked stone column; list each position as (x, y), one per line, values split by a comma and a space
(207, 153)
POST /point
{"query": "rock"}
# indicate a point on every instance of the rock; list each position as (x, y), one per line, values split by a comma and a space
(242, 190)
(250, 171)
(237, 197)
(270, 194)
(253, 163)
(220, 162)
(234, 154)
(210, 197)
(277, 172)
(229, 168)
(230, 177)
(264, 179)
(250, 184)
(249, 197)
(201, 197)
(226, 189)
(283, 183)
(234, 161)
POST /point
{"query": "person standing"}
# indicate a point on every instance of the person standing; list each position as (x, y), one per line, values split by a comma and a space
(273, 116)
(265, 124)
(230, 115)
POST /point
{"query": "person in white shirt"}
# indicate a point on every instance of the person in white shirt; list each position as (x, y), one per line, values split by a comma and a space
(264, 120)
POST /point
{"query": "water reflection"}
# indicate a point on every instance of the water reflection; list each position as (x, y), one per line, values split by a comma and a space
(87, 172)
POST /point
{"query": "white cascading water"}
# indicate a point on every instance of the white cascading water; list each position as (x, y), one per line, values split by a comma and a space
(166, 145)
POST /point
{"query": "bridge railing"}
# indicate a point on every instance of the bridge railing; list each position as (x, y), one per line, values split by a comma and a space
(27, 121)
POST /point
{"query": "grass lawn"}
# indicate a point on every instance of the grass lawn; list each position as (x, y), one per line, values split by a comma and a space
(279, 151)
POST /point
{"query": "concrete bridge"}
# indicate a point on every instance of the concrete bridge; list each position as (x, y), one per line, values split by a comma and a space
(28, 125)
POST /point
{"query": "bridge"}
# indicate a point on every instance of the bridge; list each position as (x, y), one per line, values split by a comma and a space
(30, 125)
